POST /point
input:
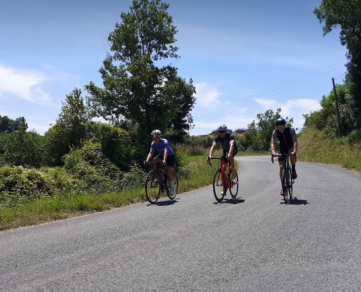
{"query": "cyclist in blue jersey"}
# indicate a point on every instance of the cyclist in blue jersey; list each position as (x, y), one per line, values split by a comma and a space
(288, 144)
(166, 155)
(228, 144)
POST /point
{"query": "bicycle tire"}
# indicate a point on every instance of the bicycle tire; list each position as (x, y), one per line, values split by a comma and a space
(218, 186)
(234, 187)
(290, 185)
(172, 197)
(285, 187)
(152, 187)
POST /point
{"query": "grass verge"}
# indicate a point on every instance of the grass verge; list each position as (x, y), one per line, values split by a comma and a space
(314, 146)
(194, 174)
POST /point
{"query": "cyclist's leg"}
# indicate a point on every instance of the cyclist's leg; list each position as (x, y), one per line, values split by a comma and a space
(293, 163)
(158, 158)
(170, 166)
(231, 160)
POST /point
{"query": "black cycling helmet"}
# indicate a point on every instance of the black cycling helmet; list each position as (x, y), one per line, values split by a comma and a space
(280, 121)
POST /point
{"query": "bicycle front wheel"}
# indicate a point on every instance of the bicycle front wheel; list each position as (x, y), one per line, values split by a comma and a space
(152, 187)
(219, 188)
(285, 184)
(175, 176)
(234, 186)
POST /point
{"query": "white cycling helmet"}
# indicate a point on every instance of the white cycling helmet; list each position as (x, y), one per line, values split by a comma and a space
(156, 133)
(222, 128)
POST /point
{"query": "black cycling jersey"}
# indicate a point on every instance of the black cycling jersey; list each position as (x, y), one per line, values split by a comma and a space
(225, 141)
(285, 138)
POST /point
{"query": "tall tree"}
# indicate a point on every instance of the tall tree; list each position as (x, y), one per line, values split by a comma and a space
(135, 89)
(346, 14)
(71, 127)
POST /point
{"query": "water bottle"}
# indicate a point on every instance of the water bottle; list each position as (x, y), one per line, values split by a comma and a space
(163, 175)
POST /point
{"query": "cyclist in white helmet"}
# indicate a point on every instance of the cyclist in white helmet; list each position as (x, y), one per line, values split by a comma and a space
(166, 155)
(229, 146)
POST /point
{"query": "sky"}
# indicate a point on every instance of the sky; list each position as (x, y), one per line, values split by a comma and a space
(244, 57)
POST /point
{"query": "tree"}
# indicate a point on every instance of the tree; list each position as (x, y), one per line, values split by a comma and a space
(24, 148)
(135, 89)
(259, 132)
(346, 14)
(71, 128)
(8, 125)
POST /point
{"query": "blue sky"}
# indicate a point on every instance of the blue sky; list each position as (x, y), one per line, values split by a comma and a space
(244, 57)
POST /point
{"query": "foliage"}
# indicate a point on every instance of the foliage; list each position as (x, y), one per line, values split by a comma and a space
(71, 128)
(116, 143)
(346, 14)
(24, 148)
(259, 133)
(315, 146)
(19, 184)
(326, 119)
(135, 89)
(8, 125)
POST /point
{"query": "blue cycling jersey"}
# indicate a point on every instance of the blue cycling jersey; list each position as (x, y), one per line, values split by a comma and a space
(163, 145)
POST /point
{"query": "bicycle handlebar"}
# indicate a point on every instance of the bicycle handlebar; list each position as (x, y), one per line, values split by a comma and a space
(209, 158)
(278, 156)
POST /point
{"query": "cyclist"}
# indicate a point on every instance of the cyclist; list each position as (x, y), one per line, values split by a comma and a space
(288, 144)
(229, 146)
(166, 155)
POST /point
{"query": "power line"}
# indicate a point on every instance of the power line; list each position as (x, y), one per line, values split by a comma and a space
(253, 102)
(283, 84)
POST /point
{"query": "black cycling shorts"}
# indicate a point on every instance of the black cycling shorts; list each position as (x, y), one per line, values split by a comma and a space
(226, 151)
(170, 160)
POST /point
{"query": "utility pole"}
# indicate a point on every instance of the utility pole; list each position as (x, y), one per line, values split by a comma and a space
(337, 114)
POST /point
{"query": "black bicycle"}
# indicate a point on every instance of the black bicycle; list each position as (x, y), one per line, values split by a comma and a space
(157, 181)
(287, 180)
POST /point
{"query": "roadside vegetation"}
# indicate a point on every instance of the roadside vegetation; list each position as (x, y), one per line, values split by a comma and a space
(81, 166)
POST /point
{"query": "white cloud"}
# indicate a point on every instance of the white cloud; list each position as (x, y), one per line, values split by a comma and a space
(292, 108)
(21, 83)
(207, 95)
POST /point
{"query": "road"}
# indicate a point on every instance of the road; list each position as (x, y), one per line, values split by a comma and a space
(251, 243)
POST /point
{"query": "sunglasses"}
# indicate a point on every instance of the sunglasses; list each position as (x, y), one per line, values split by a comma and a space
(221, 132)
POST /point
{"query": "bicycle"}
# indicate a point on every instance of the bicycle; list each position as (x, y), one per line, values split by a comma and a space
(222, 180)
(287, 180)
(157, 181)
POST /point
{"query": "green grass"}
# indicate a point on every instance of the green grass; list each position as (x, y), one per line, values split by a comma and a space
(314, 146)
(194, 173)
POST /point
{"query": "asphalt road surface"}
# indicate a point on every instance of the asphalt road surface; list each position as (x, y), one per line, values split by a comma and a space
(251, 243)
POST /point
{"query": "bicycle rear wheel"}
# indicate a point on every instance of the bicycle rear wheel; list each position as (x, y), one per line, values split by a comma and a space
(152, 187)
(234, 187)
(172, 197)
(219, 188)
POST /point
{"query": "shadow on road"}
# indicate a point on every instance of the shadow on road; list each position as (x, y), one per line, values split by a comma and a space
(297, 202)
(231, 201)
(167, 203)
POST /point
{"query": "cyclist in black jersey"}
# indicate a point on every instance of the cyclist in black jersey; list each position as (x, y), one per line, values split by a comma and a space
(229, 146)
(288, 144)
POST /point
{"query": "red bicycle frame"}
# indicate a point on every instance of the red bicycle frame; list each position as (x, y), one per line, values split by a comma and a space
(224, 173)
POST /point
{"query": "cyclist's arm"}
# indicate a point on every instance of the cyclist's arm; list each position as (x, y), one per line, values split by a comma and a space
(273, 148)
(295, 144)
(294, 140)
(273, 139)
(212, 149)
(231, 143)
(165, 156)
(149, 156)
